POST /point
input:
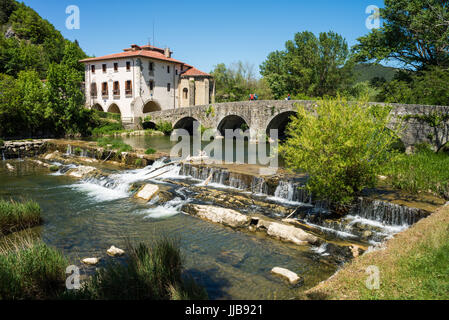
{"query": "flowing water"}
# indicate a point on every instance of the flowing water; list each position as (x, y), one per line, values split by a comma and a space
(85, 217)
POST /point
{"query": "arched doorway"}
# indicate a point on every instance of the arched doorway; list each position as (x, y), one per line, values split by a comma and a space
(113, 108)
(186, 124)
(280, 123)
(232, 122)
(151, 106)
(97, 107)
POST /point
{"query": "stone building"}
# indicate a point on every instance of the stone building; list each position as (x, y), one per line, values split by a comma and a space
(144, 79)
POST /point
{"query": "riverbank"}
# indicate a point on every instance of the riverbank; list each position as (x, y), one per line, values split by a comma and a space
(412, 265)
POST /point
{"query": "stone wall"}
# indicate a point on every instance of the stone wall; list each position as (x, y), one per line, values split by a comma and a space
(22, 149)
(417, 119)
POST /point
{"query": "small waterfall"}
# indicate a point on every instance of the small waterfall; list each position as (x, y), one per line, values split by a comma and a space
(292, 191)
(3, 155)
(69, 150)
(387, 213)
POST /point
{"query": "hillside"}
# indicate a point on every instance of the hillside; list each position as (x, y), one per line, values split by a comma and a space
(28, 42)
(368, 71)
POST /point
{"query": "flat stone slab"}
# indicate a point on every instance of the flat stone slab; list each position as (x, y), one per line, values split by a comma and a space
(115, 252)
(290, 233)
(147, 192)
(91, 261)
(221, 215)
(292, 277)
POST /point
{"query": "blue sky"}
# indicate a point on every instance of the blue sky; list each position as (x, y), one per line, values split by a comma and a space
(205, 33)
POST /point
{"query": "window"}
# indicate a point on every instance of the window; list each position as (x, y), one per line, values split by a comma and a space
(104, 68)
(168, 87)
(116, 67)
(93, 90)
(168, 69)
(185, 93)
(151, 85)
(104, 89)
(176, 71)
(92, 68)
(116, 88)
(128, 66)
(151, 66)
(128, 88)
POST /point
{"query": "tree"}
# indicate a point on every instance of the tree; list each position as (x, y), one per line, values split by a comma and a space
(340, 145)
(237, 82)
(415, 33)
(309, 65)
(6, 8)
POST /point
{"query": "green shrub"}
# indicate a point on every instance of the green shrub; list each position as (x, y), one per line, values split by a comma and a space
(78, 151)
(150, 273)
(165, 127)
(138, 162)
(16, 216)
(2, 143)
(113, 144)
(54, 168)
(150, 151)
(107, 128)
(341, 147)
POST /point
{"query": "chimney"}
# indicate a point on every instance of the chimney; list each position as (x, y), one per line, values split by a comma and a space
(167, 53)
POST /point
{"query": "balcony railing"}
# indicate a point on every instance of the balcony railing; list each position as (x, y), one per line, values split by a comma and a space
(128, 92)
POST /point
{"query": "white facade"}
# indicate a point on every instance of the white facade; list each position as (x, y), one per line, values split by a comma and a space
(153, 83)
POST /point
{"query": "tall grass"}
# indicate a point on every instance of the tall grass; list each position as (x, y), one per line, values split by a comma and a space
(108, 128)
(422, 171)
(150, 273)
(15, 216)
(30, 270)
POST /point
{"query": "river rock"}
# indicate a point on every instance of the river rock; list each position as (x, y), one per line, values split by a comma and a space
(90, 261)
(10, 167)
(224, 216)
(147, 192)
(80, 171)
(292, 277)
(115, 252)
(291, 234)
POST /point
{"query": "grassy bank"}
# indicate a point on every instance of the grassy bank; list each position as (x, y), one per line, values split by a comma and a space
(15, 216)
(412, 266)
(419, 172)
(31, 270)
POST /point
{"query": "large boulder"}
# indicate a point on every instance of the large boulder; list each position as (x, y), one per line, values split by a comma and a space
(290, 233)
(220, 215)
(292, 277)
(147, 192)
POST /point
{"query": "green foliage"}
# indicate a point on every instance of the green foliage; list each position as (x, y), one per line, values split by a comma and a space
(2, 143)
(165, 127)
(113, 144)
(54, 168)
(7, 7)
(151, 273)
(138, 162)
(30, 270)
(150, 151)
(421, 171)
(425, 87)
(414, 33)
(237, 81)
(147, 119)
(309, 65)
(371, 71)
(16, 216)
(107, 128)
(210, 111)
(341, 147)
(108, 115)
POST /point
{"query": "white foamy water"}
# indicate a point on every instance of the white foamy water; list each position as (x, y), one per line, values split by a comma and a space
(387, 228)
(169, 209)
(321, 250)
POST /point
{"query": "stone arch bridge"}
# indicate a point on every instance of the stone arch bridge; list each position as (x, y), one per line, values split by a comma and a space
(423, 124)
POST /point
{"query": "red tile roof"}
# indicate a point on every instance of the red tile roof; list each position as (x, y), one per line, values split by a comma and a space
(195, 72)
(148, 51)
(138, 53)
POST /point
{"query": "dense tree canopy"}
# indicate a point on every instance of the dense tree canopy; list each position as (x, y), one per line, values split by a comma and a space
(309, 65)
(415, 33)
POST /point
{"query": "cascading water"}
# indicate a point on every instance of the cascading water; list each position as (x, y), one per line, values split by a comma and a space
(3, 155)
(69, 150)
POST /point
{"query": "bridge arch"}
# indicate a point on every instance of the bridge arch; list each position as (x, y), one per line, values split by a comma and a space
(97, 107)
(232, 122)
(280, 123)
(114, 108)
(185, 123)
(151, 106)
